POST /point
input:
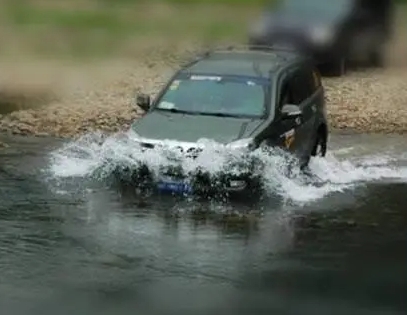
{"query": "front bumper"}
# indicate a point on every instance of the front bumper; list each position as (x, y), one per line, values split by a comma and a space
(222, 185)
(237, 173)
(173, 180)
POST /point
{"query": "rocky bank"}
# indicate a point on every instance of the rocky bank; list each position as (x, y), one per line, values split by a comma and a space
(368, 101)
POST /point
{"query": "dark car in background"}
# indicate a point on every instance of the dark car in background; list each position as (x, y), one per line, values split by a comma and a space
(242, 99)
(334, 33)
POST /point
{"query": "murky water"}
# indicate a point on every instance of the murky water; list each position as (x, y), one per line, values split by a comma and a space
(71, 245)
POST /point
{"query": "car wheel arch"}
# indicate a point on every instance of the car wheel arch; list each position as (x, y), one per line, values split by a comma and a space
(323, 131)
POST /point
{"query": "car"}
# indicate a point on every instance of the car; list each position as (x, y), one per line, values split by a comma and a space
(335, 33)
(244, 100)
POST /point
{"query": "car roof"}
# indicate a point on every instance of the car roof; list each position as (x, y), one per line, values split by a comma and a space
(253, 63)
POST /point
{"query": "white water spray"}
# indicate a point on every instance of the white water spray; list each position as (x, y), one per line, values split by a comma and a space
(96, 155)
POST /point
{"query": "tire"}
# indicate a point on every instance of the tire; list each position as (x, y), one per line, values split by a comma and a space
(337, 67)
(377, 57)
(319, 149)
(320, 145)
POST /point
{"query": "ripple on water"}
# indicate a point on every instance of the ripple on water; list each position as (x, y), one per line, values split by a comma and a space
(93, 242)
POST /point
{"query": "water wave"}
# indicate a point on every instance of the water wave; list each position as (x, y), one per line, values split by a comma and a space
(98, 156)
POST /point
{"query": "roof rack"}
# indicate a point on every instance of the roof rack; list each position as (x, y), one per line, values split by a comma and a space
(239, 47)
(247, 47)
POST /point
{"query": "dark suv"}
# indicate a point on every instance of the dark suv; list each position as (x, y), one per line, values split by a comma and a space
(241, 99)
(335, 32)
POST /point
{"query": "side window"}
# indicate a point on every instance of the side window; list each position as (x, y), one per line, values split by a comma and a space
(303, 85)
(300, 85)
(299, 88)
(286, 94)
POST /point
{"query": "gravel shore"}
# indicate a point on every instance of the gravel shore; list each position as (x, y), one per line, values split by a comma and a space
(371, 101)
(368, 101)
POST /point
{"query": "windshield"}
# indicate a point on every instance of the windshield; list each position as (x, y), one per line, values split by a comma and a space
(215, 95)
(316, 7)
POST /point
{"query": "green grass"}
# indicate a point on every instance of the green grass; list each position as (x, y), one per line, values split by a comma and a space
(194, 2)
(88, 28)
(100, 28)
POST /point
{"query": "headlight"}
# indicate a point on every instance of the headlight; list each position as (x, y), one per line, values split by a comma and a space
(322, 35)
(246, 143)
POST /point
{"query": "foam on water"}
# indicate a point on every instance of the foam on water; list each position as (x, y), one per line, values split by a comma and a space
(97, 156)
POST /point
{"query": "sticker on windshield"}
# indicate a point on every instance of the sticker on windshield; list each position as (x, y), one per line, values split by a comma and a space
(205, 77)
(166, 105)
(175, 85)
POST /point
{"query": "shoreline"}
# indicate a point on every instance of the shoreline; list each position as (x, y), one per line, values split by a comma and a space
(69, 99)
(7, 138)
(340, 143)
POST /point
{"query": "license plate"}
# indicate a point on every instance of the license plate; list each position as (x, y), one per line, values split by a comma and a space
(178, 187)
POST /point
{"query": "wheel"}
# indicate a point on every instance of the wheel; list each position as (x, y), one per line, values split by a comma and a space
(319, 149)
(376, 57)
(320, 145)
(337, 67)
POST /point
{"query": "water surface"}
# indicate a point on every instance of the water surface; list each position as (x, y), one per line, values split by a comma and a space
(336, 247)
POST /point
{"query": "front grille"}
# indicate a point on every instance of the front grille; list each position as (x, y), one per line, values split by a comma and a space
(193, 152)
(189, 153)
(147, 145)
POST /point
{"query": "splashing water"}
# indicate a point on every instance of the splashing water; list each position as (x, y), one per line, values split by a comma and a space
(97, 156)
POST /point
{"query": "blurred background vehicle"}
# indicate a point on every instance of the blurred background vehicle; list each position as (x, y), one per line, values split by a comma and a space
(336, 33)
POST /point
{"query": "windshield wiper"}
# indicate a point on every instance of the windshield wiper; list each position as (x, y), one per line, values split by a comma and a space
(197, 113)
(175, 110)
(218, 114)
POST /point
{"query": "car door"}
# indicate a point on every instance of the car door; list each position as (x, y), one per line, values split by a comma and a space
(298, 89)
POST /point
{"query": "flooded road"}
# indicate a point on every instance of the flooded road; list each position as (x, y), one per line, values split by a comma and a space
(69, 246)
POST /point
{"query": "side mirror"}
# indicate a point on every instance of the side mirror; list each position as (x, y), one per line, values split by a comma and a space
(291, 112)
(143, 101)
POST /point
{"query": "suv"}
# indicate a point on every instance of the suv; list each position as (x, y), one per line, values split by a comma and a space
(243, 100)
(333, 32)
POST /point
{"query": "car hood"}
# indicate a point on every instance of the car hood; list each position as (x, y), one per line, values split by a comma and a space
(191, 128)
